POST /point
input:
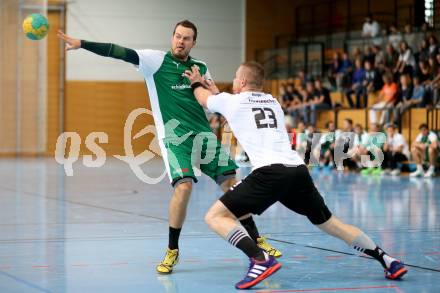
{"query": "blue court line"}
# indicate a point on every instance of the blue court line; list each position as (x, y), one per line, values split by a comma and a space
(24, 282)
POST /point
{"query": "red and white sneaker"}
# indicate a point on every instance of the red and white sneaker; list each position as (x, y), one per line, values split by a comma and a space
(395, 271)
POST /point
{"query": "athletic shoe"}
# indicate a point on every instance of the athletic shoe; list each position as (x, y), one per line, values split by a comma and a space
(395, 271)
(395, 172)
(170, 260)
(263, 244)
(366, 171)
(258, 271)
(417, 173)
(386, 172)
(430, 173)
(376, 171)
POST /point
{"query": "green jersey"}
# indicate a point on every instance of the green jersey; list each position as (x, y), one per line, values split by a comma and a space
(171, 95)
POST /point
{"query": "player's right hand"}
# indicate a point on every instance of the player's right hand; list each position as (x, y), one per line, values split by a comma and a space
(71, 43)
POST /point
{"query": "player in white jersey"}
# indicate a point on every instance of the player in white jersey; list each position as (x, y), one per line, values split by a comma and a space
(279, 174)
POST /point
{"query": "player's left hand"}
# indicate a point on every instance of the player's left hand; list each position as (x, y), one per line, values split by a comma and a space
(194, 75)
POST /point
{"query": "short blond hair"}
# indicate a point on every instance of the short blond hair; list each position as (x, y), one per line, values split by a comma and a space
(254, 73)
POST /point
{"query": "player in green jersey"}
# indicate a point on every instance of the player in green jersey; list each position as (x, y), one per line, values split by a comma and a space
(181, 125)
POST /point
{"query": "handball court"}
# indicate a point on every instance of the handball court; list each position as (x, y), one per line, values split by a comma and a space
(104, 230)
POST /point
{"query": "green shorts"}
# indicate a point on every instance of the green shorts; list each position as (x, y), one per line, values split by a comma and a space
(197, 154)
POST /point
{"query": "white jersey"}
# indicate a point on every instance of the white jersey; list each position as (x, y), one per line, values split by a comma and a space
(257, 121)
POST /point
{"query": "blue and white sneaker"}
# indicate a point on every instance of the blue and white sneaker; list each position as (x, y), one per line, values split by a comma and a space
(258, 271)
(395, 271)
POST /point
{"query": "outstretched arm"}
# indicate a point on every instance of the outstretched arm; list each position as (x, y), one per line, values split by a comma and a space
(203, 89)
(102, 49)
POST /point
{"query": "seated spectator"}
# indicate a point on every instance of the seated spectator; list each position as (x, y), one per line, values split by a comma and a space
(370, 141)
(423, 71)
(317, 98)
(391, 56)
(433, 46)
(356, 84)
(394, 38)
(355, 152)
(346, 71)
(409, 97)
(387, 98)
(423, 50)
(379, 58)
(347, 127)
(371, 28)
(395, 151)
(368, 55)
(410, 37)
(295, 105)
(371, 82)
(406, 62)
(425, 149)
(327, 150)
(335, 72)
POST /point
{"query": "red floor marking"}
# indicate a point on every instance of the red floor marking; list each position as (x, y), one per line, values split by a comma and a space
(40, 267)
(332, 289)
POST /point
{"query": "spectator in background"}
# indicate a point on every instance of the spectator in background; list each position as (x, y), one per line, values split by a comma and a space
(379, 58)
(347, 127)
(425, 149)
(372, 82)
(409, 97)
(308, 97)
(371, 28)
(423, 50)
(357, 149)
(356, 84)
(387, 98)
(369, 142)
(394, 38)
(410, 37)
(433, 46)
(336, 73)
(423, 71)
(395, 151)
(391, 56)
(327, 143)
(294, 104)
(346, 71)
(320, 101)
(357, 53)
(368, 55)
(406, 62)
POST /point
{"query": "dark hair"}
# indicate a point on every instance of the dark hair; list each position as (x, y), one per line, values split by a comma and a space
(423, 125)
(188, 24)
(349, 121)
(255, 73)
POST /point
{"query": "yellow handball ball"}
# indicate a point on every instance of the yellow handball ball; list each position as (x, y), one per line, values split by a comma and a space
(35, 26)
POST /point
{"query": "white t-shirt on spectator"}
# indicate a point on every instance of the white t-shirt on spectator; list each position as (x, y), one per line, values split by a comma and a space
(396, 142)
(371, 29)
(408, 58)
